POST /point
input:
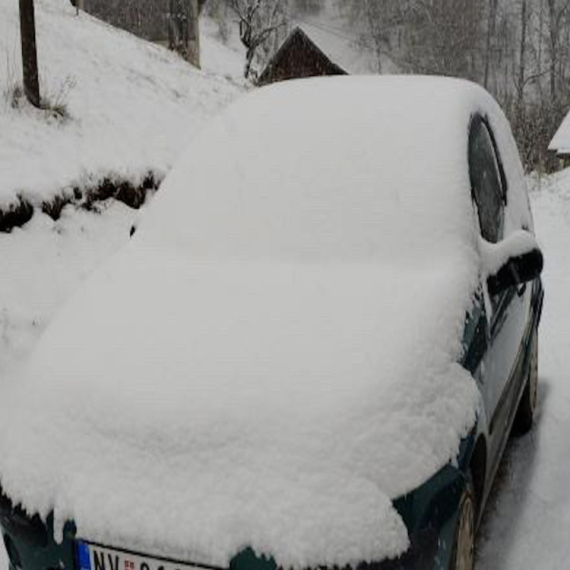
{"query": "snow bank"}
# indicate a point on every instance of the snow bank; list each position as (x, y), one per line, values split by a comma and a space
(44, 263)
(223, 57)
(274, 356)
(132, 106)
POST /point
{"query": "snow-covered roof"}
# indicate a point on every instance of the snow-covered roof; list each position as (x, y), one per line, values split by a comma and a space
(274, 356)
(560, 142)
(340, 47)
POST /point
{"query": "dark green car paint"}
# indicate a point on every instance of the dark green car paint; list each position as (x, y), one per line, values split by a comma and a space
(429, 512)
(30, 543)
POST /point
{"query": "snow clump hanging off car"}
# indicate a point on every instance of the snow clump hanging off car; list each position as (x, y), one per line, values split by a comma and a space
(295, 357)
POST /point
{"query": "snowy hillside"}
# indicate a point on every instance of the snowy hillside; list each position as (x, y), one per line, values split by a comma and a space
(130, 107)
(221, 56)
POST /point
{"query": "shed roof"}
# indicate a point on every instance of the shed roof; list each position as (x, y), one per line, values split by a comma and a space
(299, 36)
(340, 47)
(560, 142)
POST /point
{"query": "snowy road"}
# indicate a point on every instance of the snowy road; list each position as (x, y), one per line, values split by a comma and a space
(527, 524)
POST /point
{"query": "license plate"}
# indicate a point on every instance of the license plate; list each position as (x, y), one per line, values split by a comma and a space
(95, 557)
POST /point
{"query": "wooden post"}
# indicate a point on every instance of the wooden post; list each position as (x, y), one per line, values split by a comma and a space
(170, 20)
(194, 33)
(79, 5)
(29, 53)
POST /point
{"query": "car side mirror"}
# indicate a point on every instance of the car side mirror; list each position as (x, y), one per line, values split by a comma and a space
(516, 260)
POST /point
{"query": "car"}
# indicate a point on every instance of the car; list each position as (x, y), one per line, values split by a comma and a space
(312, 352)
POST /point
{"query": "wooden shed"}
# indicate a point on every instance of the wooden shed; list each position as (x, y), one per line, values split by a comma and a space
(298, 57)
(151, 20)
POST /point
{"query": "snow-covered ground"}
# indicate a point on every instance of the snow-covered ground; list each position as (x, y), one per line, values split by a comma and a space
(527, 521)
(221, 56)
(130, 106)
(44, 262)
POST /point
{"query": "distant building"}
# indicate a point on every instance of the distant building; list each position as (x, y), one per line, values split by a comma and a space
(322, 48)
(560, 143)
(299, 57)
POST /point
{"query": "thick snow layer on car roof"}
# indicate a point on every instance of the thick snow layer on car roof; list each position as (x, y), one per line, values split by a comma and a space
(345, 168)
(274, 356)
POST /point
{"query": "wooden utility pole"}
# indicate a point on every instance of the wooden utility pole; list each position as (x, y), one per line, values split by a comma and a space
(194, 32)
(29, 53)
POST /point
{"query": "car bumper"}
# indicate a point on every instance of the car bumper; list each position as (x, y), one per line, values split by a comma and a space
(429, 513)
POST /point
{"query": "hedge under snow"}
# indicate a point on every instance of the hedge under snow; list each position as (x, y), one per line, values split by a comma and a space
(273, 358)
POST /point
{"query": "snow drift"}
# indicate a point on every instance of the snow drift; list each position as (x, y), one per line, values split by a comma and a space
(274, 356)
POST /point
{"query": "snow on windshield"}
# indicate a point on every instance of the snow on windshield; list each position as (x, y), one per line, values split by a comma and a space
(371, 169)
(274, 356)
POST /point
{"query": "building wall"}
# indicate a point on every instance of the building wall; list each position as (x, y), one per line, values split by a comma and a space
(153, 20)
(147, 19)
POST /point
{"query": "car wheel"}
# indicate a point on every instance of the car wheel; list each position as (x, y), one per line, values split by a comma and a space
(463, 553)
(527, 406)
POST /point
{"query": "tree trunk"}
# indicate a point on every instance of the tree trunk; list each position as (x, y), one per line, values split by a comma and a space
(522, 58)
(29, 53)
(540, 40)
(491, 22)
(250, 53)
(170, 24)
(553, 46)
(194, 33)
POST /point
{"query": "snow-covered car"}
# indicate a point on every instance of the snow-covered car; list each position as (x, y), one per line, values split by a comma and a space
(311, 353)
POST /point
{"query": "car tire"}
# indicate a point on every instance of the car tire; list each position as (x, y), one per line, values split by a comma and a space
(524, 418)
(463, 552)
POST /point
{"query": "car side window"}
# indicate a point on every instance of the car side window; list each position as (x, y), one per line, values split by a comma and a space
(486, 181)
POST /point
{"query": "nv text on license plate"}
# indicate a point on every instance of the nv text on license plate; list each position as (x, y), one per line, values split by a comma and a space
(95, 557)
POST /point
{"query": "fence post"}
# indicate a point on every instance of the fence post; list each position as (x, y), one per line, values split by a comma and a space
(29, 52)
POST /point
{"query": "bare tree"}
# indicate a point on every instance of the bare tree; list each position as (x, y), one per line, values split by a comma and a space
(521, 76)
(518, 49)
(557, 20)
(489, 39)
(258, 21)
(193, 55)
(29, 52)
(308, 7)
(379, 24)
